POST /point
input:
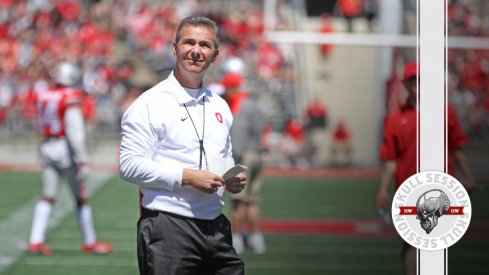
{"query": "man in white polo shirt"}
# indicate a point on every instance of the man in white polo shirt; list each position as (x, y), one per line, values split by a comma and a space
(175, 145)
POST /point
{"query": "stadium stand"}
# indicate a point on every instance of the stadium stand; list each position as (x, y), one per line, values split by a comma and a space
(124, 46)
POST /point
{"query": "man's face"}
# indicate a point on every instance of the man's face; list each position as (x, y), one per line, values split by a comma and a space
(196, 49)
(412, 88)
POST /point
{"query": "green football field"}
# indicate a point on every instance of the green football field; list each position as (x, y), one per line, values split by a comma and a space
(312, 226)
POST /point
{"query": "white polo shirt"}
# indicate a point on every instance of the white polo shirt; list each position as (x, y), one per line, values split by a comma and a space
(159, 140)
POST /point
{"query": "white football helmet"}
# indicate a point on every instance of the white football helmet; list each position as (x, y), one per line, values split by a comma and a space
(67, 74)
(234, 64)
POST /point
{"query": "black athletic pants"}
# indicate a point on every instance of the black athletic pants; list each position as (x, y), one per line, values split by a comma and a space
(169, 244)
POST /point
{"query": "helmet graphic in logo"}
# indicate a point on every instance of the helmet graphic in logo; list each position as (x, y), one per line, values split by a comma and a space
(430, 206)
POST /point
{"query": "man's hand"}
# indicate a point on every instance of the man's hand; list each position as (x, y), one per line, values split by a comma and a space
(381, 199)
(203, 180)
(236, 184)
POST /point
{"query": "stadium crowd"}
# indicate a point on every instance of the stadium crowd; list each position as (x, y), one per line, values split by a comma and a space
(469, 68)
(120, 47)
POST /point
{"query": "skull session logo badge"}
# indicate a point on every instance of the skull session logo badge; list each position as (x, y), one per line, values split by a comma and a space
(431, 210)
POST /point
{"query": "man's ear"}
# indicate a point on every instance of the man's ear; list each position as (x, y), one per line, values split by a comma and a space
(175, 49)
(215, 56)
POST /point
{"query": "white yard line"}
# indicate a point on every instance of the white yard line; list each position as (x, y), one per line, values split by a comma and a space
(15, 229)
(99, 262)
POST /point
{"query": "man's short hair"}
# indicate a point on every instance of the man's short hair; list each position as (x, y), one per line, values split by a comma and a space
(195, 21)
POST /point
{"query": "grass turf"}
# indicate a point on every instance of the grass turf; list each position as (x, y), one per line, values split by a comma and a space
(116, 210)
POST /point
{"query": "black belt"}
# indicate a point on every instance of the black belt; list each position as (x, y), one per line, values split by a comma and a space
(147, 213)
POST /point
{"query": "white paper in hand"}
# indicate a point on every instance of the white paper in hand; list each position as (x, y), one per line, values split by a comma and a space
(238, 168)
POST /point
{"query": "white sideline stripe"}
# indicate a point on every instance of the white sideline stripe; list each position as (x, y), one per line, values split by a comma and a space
(313, 265)
(15, 229)
(100, 262)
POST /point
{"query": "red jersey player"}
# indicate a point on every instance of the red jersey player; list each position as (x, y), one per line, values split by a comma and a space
(63, 153)
(398, 151)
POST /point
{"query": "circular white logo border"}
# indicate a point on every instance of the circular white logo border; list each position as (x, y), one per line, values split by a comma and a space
(450, 227)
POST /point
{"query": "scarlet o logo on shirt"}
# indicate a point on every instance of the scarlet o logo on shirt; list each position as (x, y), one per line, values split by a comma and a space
(219, 117)
(431, 210)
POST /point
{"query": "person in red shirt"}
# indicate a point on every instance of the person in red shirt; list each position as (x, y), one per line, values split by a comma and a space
(316, 114)
(292, 144)
(326, 28)
(316, 123)
(232, 83)
(341, 149)
(398, 152)
(350, 9)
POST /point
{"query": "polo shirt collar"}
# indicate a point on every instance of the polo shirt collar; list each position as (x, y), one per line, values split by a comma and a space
(181, 95)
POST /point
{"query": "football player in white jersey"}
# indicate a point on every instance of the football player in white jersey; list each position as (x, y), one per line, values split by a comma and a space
(63, 155)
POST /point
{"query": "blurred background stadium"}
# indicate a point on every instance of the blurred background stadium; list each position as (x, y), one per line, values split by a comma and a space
(345, 56)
